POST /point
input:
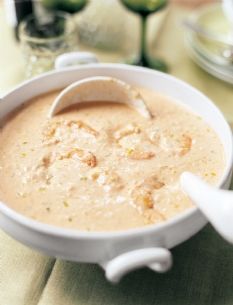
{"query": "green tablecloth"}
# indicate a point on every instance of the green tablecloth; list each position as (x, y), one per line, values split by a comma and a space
(203, 266)
(202, 275)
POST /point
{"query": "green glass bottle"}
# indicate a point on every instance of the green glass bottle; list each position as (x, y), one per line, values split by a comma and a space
(16, 11)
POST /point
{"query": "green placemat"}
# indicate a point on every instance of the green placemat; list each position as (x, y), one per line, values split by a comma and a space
(202, 275)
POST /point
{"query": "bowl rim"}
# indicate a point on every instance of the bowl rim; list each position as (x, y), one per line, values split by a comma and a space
(100, 235)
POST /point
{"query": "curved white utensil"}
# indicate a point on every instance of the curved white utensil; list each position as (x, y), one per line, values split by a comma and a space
(215, 204)
(99, 89)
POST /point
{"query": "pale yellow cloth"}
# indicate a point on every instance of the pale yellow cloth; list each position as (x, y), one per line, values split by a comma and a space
(202, 272)
(23, 273)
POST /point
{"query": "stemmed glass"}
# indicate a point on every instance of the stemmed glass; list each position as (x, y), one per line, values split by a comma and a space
(70, 6)
(145, 8)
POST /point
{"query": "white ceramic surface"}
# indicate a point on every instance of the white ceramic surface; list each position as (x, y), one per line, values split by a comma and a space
(74, 58)
(116, 252)
(215, 204)
(99, 89)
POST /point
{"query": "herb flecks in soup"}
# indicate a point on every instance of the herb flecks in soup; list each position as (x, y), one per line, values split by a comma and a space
(103, 167)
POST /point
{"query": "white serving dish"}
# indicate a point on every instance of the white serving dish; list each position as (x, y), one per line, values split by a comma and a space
(116, 252)
(206, 53)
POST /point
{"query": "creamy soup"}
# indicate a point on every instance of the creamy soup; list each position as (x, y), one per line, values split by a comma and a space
(102, 166)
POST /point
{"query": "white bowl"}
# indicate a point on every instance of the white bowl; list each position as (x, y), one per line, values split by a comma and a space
(116, 252)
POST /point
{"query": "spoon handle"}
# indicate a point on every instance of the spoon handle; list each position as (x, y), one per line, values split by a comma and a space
(214, 203)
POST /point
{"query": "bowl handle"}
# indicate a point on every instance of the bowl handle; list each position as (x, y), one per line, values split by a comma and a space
(73, 59)
(157, 259)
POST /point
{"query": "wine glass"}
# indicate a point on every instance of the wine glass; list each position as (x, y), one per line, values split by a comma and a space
(70, 6)
(145, 8)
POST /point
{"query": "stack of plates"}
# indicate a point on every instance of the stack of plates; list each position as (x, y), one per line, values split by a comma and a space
(206, 53)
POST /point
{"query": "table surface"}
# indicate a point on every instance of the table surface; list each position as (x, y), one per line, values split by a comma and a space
(203, 266)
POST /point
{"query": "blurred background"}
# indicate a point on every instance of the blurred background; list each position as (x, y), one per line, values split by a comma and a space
(159, 34)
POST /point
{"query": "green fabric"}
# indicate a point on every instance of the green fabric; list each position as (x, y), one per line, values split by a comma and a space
(202, 275)
(203, 266)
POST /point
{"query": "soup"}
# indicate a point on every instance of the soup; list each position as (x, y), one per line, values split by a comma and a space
(102, 166)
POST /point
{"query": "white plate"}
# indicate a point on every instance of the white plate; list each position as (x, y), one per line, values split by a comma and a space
(207, 54)
(218, 71)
